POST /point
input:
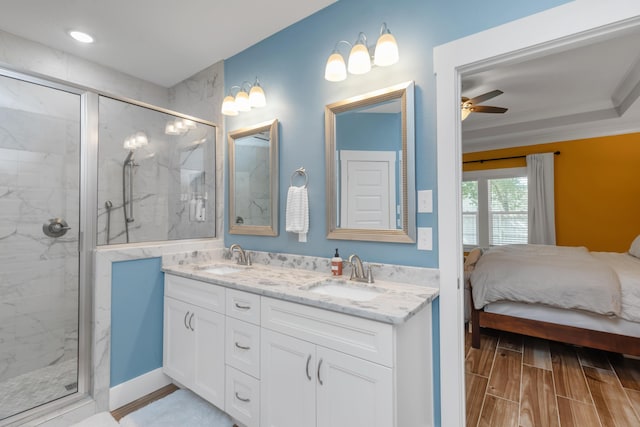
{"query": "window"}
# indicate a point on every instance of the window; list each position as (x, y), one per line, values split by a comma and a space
(494, 207)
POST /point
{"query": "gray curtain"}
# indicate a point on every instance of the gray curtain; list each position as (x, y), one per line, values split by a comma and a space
(542, 221)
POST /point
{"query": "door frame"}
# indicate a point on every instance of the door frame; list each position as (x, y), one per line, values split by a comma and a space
(499, 45)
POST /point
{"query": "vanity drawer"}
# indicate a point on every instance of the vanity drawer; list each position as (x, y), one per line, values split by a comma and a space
(242, 348)
(364, 338)
(201, 294)
(244, 306)
(242, 399)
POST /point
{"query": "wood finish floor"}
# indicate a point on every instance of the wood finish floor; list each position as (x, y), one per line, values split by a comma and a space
(520, 381)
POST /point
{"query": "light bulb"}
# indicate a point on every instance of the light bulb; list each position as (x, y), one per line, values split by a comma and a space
(386, 52)
(336, 70)
(188, 124)
(81, 37)
(359, 59)
(256, 96)
(229, 106)
(141, 139)
(242, 101)
(177, 123)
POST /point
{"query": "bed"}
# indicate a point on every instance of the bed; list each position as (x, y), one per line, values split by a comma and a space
(565, 294)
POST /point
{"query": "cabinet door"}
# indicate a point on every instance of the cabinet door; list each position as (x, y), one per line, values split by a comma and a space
(287, 388)
(352, 392)
(179, 347)
(208, 330)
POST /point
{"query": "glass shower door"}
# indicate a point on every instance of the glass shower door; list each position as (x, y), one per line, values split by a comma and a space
(39, 257)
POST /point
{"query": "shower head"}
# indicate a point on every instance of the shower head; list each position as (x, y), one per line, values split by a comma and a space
(129, 157)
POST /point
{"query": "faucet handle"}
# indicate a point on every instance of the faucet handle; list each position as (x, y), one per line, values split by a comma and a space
(370, 272)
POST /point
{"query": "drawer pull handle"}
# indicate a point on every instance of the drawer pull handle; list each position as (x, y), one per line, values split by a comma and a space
(242, 347)
(191, 320)
(243, 307)
(308, 361)
(185, 320)
(319, 366)
(242, 399)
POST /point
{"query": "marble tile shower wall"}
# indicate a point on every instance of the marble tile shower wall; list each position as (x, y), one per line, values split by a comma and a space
(160, 196)
(39, 162)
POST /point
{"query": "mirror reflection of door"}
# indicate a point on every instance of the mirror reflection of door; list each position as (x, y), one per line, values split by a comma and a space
(368, 183)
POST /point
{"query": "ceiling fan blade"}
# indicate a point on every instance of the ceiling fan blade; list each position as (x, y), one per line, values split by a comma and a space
(487, 109)
(464, 99)
(485, 97)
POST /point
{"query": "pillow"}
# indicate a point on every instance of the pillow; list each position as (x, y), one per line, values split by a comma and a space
(635, 247)
(473, 257)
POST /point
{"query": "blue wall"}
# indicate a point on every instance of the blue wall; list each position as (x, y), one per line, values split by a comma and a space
(290, 66)
(137, 301)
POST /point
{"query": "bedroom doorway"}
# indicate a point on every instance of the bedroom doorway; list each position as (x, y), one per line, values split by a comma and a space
(452, 62)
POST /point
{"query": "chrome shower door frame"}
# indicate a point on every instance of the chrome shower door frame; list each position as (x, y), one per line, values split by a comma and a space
(88, 120)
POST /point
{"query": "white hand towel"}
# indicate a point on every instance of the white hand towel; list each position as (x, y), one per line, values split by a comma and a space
(297, 220)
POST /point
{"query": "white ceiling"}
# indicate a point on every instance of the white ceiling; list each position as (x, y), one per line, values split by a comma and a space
(588, 90)
(161, 41)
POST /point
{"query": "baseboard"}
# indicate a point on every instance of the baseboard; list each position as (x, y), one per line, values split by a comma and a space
(136, 388)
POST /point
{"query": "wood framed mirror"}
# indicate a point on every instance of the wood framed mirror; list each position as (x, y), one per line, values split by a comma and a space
(370, 166)
(253, 179)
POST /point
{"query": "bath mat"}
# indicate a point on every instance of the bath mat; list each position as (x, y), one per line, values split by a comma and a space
(101, 419)
(180, 408)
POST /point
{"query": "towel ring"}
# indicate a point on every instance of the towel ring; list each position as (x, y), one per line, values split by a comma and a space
(300, 171)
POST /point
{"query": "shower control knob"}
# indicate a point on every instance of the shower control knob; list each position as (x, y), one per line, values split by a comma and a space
(55, 227)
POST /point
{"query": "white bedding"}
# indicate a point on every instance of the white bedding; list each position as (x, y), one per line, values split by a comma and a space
(558, 276)
(627, 268)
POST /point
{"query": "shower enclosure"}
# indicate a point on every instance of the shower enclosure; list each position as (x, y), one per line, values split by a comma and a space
(39, 254)
(155, 175)
(80, 169)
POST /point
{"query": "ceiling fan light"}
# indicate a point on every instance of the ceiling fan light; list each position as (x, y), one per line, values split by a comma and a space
(335, 70)
(464, 113)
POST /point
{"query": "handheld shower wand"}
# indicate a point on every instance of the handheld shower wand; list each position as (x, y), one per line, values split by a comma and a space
(129, 161)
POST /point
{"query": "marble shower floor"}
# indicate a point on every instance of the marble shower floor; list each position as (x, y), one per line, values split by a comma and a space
(38, 387)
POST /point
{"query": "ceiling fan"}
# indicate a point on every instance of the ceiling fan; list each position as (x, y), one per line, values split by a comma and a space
(469, 106)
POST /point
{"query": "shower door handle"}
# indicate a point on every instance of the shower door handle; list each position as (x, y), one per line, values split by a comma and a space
(55, 227)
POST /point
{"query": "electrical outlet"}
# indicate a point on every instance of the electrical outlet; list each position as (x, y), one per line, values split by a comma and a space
(425, 238)
(425, 201)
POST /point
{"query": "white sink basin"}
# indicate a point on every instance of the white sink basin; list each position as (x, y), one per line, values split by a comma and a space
(344, 289)
(222, 269)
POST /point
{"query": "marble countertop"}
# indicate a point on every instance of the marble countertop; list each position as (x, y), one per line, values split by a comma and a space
(395, 303)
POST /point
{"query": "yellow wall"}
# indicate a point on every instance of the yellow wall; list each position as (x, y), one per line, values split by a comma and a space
(597, 186)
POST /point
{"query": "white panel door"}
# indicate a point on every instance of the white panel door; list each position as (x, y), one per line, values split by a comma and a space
(368, 193)
(179, 344)
(287, 388)
(352, 392)
(208, 357)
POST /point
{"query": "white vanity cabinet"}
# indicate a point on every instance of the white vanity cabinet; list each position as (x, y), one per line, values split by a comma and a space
(194, 331)
(326, 369)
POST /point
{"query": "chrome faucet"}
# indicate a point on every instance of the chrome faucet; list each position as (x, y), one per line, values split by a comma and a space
(243, 257)
(357, 270)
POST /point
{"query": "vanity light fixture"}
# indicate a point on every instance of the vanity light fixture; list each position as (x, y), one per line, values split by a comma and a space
(137, 140)
(80, 36)
(244, 100)
(359, 62)
(179, 126)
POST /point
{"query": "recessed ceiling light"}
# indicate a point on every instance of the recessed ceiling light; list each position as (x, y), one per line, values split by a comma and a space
(81, 37)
